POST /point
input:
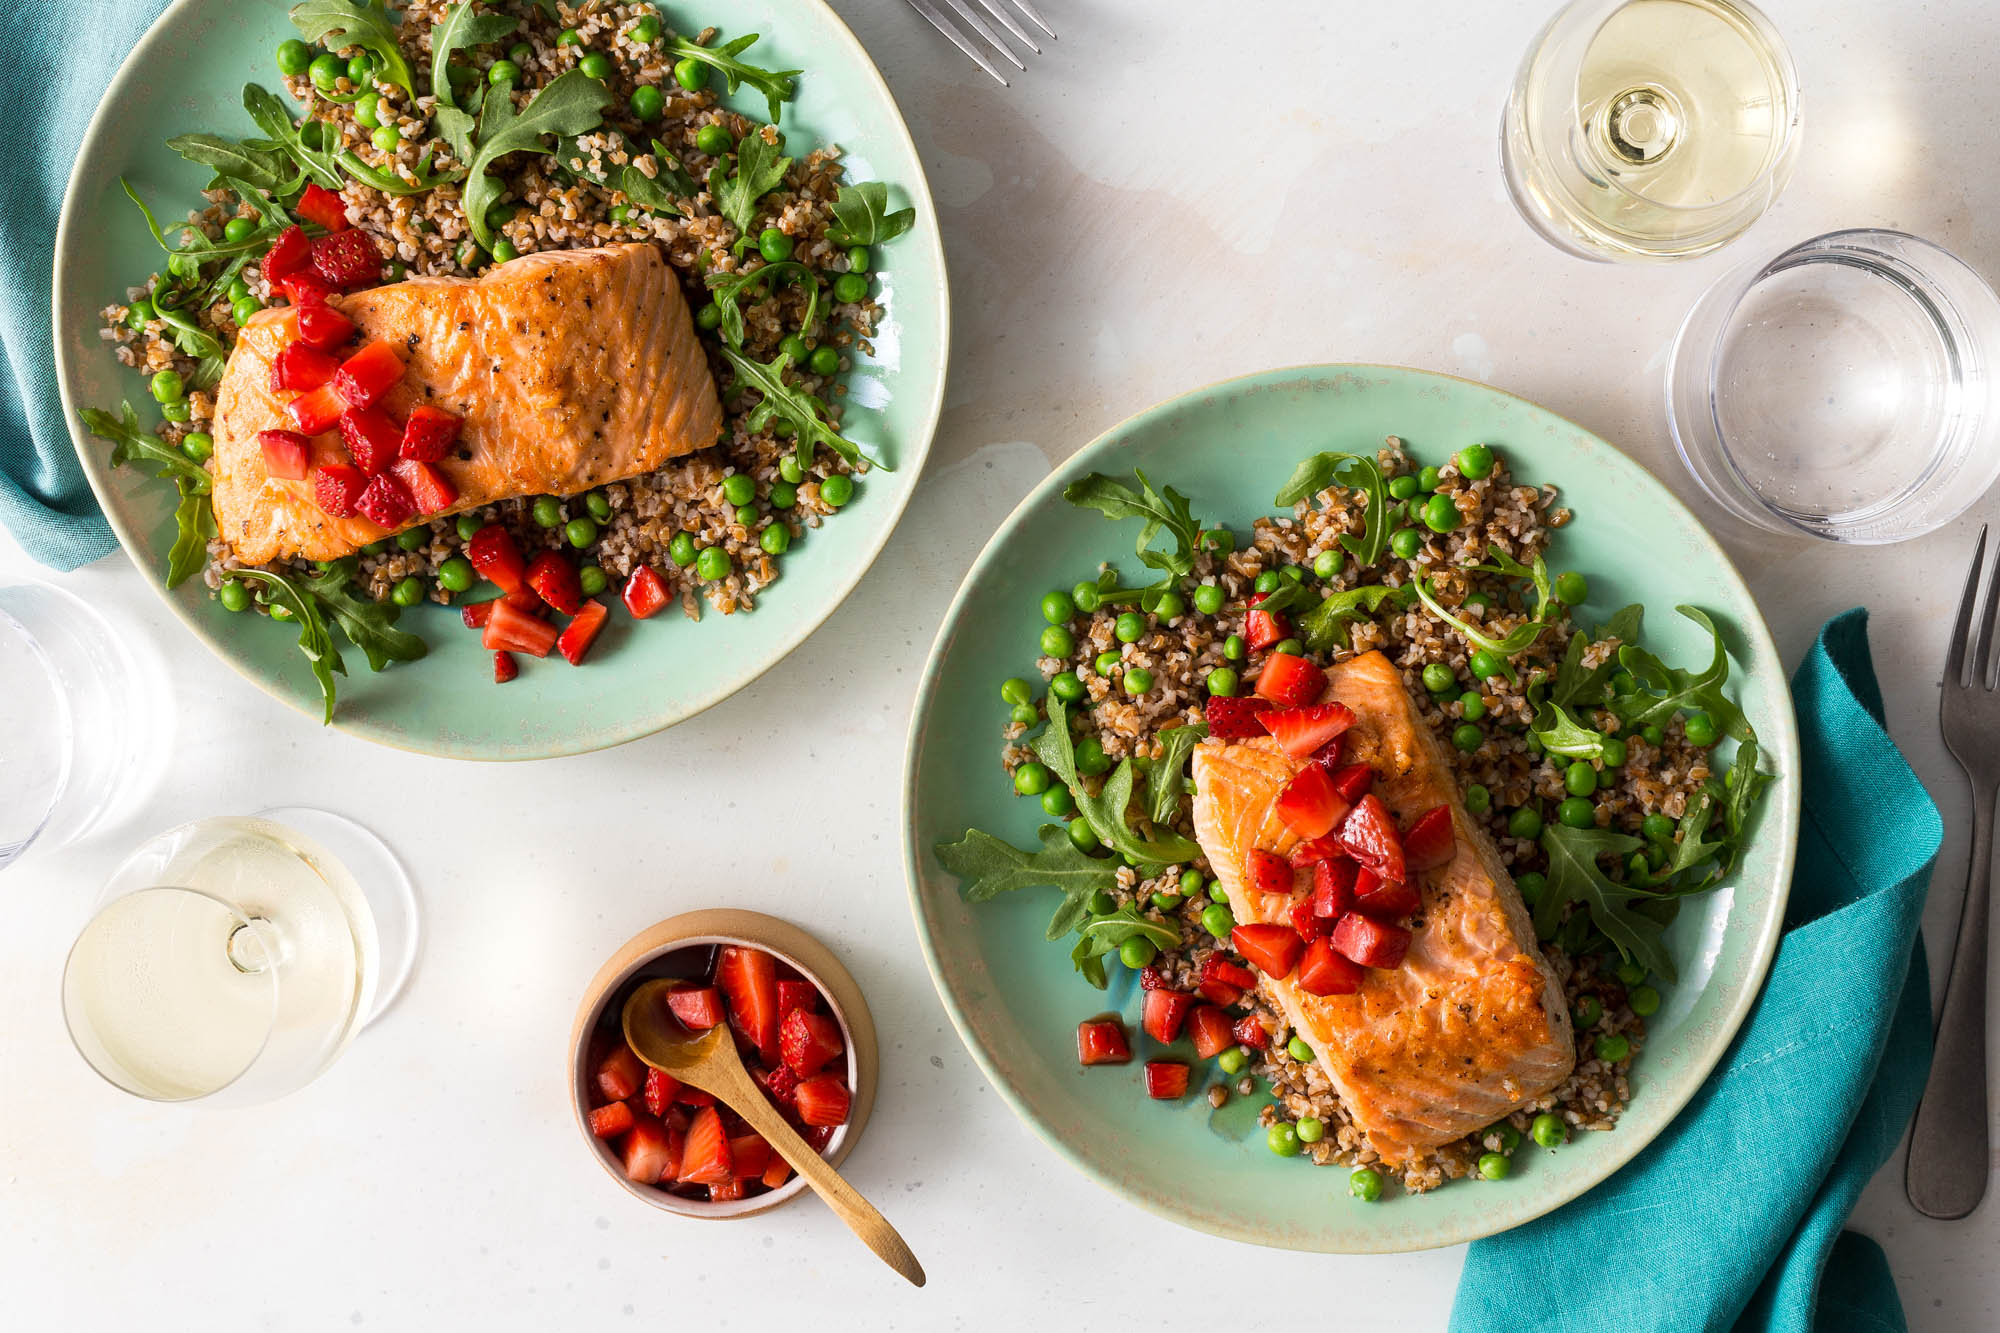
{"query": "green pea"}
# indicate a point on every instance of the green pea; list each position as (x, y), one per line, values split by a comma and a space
(1578, 811)
(233, 596)
(1222, 682)
(569, 37)
(858, 259)
(1030, 779)
(503, 250)
(1327, 564)
(1106, 663)
(1533, 743)
(596, 65)
(824, 361)
(1232, 1061)
(1614, 752)
(469, 255)
(709, 316)
(294, 57)
(407, 592)
(1216, 893)
(793, 346)
(1086, 597)
(1137, 681)
(198, 445)
(1081, 835)
(1524, 823)
(1067, 686)
(1440, 514)
(1310, 1128)
(1217, 920)
(1057, 607)
(1580, 779)
(647, 102)
(1138, 952)
(1129, 627)
(139, 314)
(1613, 1047)
(1283, 1139)
(1171, 606)
(1057, 803)
(1234, 648)
(592, 577)
(1101, 903)
(1607, 778)
(1290, 647)
(1493, 1166)
(774, 245)
(690, 74)
(1365, 1184)
(1623, 682)
(503, 73)
(381, 547)
(850, 288)
(681, 549)
(1653, 735)
(1472, 705)
(1208, 599)
(1485, 665)
(712, 565)
(837, 490)
(361, 69)
(1090, 757)
(1572, 588)
(1629, 973)
(1057, 641)
(1475, 461)
(1699, 728)
(1657, 828)
(1219, 540)
(1015, 691)
(1532, 885)
(1404, 487)
(1510, 1137)
(713, 140)
(1439, 678)
(1404, 543)
(238, 290)
(177, 411)
(1190, 883)
(521, 53)
(326, 71)
(243, 308)
(1589, 1010)
(1292, 574)
(1268, 581)
(167, 386)
(238, 229)
(580, 532)
(738, 489)
(646, 31)
(1468, 737)
(1645, 1001)
(455, 574)
(1477, 799)
(1549, 1131)
(413, 539)
(368, 111)
(1429, 479)
(1299, 1050)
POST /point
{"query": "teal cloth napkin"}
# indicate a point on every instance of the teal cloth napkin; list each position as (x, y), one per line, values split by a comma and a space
(60, 57)
(1733, 1217)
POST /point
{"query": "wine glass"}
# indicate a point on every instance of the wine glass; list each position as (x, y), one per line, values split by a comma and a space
(231, 960)
(1650, 129)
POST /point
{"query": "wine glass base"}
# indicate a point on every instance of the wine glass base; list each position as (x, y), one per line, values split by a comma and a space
(392, 898)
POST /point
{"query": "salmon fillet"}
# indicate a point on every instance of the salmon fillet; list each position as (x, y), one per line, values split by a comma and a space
(571, 368)
(1473, 1025)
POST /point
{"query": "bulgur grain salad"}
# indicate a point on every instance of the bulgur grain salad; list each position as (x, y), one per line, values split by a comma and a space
(1599, 784)
(452, 139)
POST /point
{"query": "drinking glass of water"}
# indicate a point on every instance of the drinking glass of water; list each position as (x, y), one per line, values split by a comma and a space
(1650, 129)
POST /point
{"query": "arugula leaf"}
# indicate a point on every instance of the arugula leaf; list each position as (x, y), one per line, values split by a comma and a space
(775, 84)
(573, 104)
(369, 626)
(1159, 510)
(1624, 624)
(1354, 472)
(169, 304)
(1693, 848)
(1102, 935)
(460, 28)
(1285, 597)
(988, 867)
(861, 216)
(660, 193)
(1166, 780)
(1106, 810)
(1664, 691)
(1573, 876)
(1744, 784)
(271, 117)
(793, 406)
(1499, 562)
(728, 289)
(760, 168)
(339, 24)
(1562, 734)
(1577, 684)
(1518, 640)
(388, 182)
(314, 640)
(1320, 628)
(194, 519)
(266, 168)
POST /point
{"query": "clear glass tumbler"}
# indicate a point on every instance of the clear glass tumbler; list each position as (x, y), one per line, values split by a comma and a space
(1844, 388)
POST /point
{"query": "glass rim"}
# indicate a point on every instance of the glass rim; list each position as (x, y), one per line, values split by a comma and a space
(65, 720)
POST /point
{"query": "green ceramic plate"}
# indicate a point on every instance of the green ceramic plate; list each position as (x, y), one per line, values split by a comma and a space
(1016, 1000)
(187, 74)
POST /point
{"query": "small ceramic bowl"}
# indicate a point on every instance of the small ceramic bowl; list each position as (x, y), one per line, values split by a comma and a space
(603, 1003)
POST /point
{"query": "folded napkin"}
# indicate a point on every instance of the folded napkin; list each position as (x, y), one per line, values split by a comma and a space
(1733, 1216)
(61, 56)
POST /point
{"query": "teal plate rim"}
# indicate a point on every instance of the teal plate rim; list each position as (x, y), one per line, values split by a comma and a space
(1642, 1121)
(914, 446)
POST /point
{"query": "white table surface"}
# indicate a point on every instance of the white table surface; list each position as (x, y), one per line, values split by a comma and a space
(1150, 208)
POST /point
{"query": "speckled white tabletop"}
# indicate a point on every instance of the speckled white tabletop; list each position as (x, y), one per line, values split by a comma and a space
(1158, 203)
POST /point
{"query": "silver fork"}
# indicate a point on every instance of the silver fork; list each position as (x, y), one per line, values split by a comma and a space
(982, 31)
(1946, 1173)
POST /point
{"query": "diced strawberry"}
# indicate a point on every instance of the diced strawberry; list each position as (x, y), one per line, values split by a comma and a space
(808, 1040)
(727, 1191)
(1302, 731)
(1353, 781)
(581, 632)
(1164, 1013)
(1329, 755)
(372, 437)
(777, 1173)
(620, 1074)
(321, 205)
(1430, 841)
(1326, 972)
(493, 553)
(315, 412)
(749, 978)
(1370, 836)
(286, 455)
(1264, 871)
(660, 1089)
(386, 502)
(476, 614)
(1309, 805)
(1216, 968)
(429, 434)
(289, 254)
(1250, 1031)
(321, 326)
(430, 489)
(1290, 681)
(300, 367)
(1384, 899)
(780, 1084)
(698, 1008)
(705, 1157)
(1333, 887)
(515, 631)
(1233, 718)
(1101, 1041)
(692, 1096)
(611, 1120)
(364, 377)
(307, 288)
(794, 993)
(1304, 920)
(1314, 850)
(505, 668)
(526, 599)
(1261, 629)
(1166, 1080)
(648, 1154)
(749, 1155)
(552, 576)
(1272, 948)
(645, 592)
(336, 487)
(1152, 978)
(1369, 942)
(348, 259)
(1209, 1027)
(824, 1101)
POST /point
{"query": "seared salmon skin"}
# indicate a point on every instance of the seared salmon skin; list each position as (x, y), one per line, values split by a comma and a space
(1473, 1025)
(571, 368)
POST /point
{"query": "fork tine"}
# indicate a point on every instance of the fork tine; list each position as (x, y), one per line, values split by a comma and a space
(1961, 635)
(958, 39)
(999, 11)
(1982, 669)
(1035, 18)
(985, 29)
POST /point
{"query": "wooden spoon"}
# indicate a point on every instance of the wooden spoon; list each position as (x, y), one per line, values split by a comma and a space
(710, 1062)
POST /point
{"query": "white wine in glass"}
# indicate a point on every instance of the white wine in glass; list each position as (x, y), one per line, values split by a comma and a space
(233, 959)
(1651, 129)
